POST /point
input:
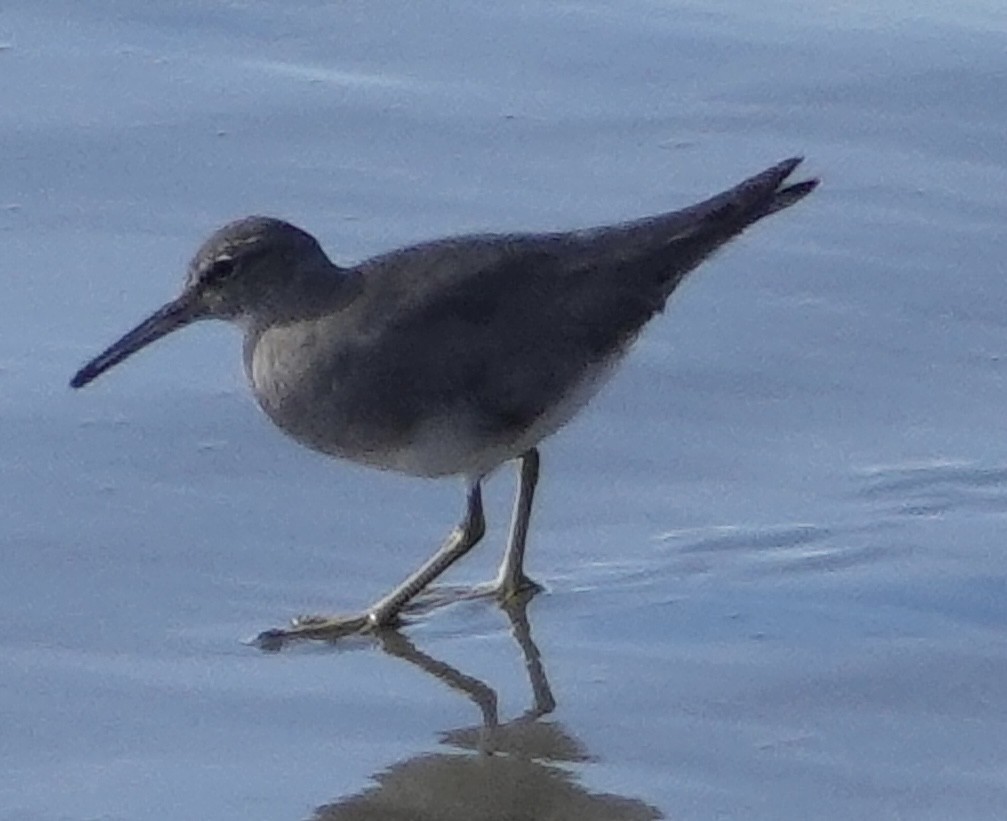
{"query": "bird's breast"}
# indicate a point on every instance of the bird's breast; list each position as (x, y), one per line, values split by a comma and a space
(334, 396)
(294, 379)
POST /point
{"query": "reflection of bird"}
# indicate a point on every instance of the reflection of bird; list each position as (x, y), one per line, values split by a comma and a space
(445, 358)
(497, 771)
(450, 787)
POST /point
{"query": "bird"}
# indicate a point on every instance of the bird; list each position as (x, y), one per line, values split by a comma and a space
(445, 358)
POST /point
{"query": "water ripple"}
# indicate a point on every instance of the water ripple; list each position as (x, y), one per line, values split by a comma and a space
(936, 487)
(778, 548)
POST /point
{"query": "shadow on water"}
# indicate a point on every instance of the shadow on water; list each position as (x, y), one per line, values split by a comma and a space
(493, 771)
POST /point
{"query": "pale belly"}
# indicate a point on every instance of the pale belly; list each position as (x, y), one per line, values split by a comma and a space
(451, 445)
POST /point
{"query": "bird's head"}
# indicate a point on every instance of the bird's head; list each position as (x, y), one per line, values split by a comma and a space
(247, 268)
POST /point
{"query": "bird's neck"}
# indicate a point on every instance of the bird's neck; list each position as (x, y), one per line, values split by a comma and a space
(307, 294)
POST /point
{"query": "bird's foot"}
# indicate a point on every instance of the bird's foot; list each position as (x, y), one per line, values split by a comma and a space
(318, 628)
(509, 591)
(332, 628)
(503, 591)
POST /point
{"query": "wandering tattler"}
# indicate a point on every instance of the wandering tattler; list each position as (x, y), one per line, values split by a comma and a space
(444, 358)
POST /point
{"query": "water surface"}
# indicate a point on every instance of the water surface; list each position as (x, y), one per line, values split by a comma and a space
(773, 546)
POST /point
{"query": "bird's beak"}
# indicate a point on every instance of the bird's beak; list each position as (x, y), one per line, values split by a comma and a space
(176, 314)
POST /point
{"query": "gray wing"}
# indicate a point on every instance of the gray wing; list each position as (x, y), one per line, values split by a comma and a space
(507, 323)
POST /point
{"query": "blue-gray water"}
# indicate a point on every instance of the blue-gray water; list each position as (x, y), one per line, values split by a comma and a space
(774, 546)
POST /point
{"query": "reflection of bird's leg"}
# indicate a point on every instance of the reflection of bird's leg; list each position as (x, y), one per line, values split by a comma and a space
(396, 644)
(517, 612)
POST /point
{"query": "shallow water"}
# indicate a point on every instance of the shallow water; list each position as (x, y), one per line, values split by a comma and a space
(773, 546)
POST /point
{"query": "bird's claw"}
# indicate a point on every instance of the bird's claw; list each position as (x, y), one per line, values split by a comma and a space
(313, 627)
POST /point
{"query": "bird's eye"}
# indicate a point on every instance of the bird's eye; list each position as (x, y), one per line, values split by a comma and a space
(219, 270)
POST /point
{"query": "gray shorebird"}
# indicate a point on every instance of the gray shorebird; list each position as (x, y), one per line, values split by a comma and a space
(446, 358)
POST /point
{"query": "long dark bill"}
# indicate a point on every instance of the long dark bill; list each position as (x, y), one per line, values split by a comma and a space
(176, 314)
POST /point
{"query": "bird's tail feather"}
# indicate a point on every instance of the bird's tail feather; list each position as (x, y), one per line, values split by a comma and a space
(750, 200)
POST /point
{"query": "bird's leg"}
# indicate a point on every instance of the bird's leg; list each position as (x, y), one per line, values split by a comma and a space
(511, 579)
(462, 539)
(385, 611)
(510, 583)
